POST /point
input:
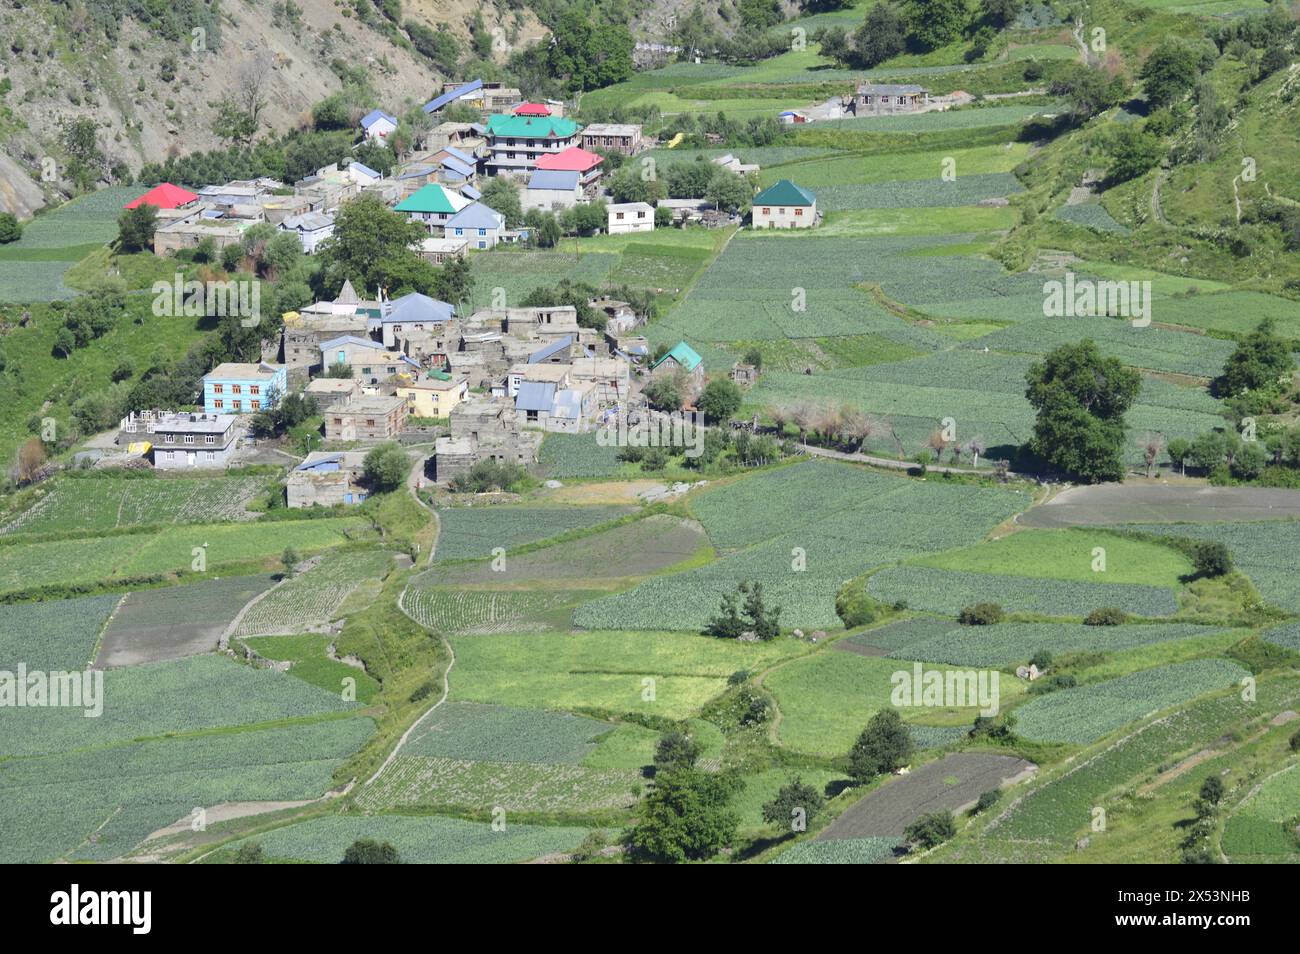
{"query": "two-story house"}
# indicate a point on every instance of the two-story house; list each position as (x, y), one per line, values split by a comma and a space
(234, 388)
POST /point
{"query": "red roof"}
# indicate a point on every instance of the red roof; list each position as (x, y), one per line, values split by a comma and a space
(532, 109)
(573, 159)
(165, 196)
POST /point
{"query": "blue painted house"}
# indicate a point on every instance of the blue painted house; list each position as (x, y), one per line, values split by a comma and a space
(233, 388)
(481, 226)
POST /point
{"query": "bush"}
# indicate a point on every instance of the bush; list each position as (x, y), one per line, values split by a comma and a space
(1295, 741)
(884, 745)
(249, 853)
(982, 614)
(1106, 616)
(366, 851)
(422, 692)
(1212, 559)
(1043, 686)
(930, 830)
(10, 228)
(676, 750)
(591, 847)
(855, 607)
(986, 801)
(1042, 659)
(386, 467)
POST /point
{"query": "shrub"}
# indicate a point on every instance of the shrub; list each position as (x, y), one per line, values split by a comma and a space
(884, 745)
(986, 801)
(930, 830)
(423, 692)
(1212, 559)
(1295, 741)
(1106, 616)
(10, 229)
(1052, 683)
(676, 750)
(386, 467)
(794, 806)
(249, 853)
(855, 607)
(982, 614)
(366, 851)
(1042, 659)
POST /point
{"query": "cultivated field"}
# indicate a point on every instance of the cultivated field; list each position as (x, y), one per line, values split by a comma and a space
(315, 596)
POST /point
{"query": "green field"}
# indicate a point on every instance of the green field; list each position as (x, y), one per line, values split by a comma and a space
(474, 532)
(60, 634)
(1263, 827)
(316, 595)
(311, 663)
(32, 269)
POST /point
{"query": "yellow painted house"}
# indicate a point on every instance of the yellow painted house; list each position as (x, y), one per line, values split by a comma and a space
(433, 394)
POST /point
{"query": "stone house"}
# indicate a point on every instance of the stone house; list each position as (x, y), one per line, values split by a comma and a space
(327, 478)
(372, 418)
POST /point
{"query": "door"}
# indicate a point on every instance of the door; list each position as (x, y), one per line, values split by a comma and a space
(190, 458)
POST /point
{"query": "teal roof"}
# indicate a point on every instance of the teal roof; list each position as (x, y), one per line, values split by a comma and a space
(531, 127)
(683, 354)
(429, 198)
(785, 192)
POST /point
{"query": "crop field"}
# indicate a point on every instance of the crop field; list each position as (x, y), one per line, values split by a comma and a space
(630, 549)
(315, 597)
(1056, 810)
(1233, 312)
(828, 698)
(91, 504)
(763, 786)
(175, 621)
(95, 560)
(413, 781)
(58, 635)
(948, 784)
(1091, 215)
(202, 692)
(1070, 555)
(918, 193)
(662, 674)
(474, 532)
(480, 612)
(969, 118)
(1111, 505)
(948, 591)
(1264, 551)
(418, 839)
(1085, 714)
(518, 273)
(505, 734)
(893, 167)
(1287, 636)
(100, 803)
(1262, 828)
(666, 267)
(1007, 644)
(311, 663)
(577, 455)
(841, 851)
(840, 520)
(982, 393)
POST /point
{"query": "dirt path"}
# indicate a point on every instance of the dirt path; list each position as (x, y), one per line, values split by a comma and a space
(893, 464)
(1157, 210)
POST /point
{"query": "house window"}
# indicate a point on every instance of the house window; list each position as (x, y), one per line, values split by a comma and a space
(218, 404)
(212, 455)
(370, 422)
(767, 211)
(255, 389)
(338, 422)
(255, 405)
(640, 215)
(482, 244)
(209, 439)
(482, 231)
(460, 232)
(798, 211)
(618, 215)
(218, 388)
(365, 371)
(189, 438)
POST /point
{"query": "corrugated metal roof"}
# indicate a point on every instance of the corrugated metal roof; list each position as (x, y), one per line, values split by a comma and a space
(535, 396)
(559, 180)
(551, 349)
(433, 105)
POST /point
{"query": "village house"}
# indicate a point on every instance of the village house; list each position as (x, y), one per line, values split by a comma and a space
(165, 198)
(194, 229)
(432, 206)
(613, 137)
(411, 312)
(744, 375)
(433, 394)
(468, 137)
(681, 357)
(312, 228)
(575, 159)
(784, 205)
(489, 97)
(234, 388)
(277, 208)
(733, 164)
(517, 143)
(305, 332)
(610, 377)
(377, 124)
(556, 375)
(367, 418)
(435, 251)
(368, 361)
(536, 322)
(483, 430)
(327, 478)
(183, 441)
(874, 99)
(631, 217)
(543, 404)
(332, 392)
(481, 226)
(432, 345)
(552, 190)
(553, 352)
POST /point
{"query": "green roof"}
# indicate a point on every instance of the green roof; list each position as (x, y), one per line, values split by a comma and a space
(531, 127)
(683, 354)
(785, 192)
(429, 198)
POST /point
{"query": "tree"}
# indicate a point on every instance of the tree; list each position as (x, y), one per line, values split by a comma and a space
(249, 853)
(1259, 360)
(728, 191)
(1178, 449)
(1170, 72)
(1211, 558)
(930, 830)
(1088, 91)
(936, 23)
(373, 247)
(676, 750)
(386, 467)
(882, 35)
(501, 194)
(64, 342)
(664, 392)
(31, 458)
(981, 614)
(1001, 12)
(685, 818)
(367, 851)
(135, 228)
(720, 400)
(1133, 153)
(1081, 399)
(289, 559)
(11, 229)
(765, 623)
(727, 624)
(239, 116)
(585, 52)
(795, 805)
(1209, 797)
(884, 745)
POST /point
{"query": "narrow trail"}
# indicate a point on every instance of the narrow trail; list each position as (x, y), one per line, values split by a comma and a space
(1157, 210)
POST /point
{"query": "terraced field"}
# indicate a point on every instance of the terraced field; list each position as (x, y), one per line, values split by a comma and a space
(474, 532)
(314, 597)
(484, 611)
(55, 635)
(1263, 828)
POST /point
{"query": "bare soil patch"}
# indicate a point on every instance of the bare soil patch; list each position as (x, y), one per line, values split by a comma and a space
(1107, 504)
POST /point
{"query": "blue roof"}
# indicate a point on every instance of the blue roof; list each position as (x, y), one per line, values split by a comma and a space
(535, 396)
(458, 165)
(334, 460)
(372, 117)
(416, 172)
(417, 307)
(469, 192)
(553, 348)
(433, 105)
(568, 403)
(562, 180)
(350, 339)
(460, 154)
(476, 216)
(366, 169)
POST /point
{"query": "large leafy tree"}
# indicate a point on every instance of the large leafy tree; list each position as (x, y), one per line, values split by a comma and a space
(884, 745)
(685, 818)
(1170, 72)
(588, 53)
(1081, 398)
(373, 247)
(135, 228)
(936, 23)
(1260, 359)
